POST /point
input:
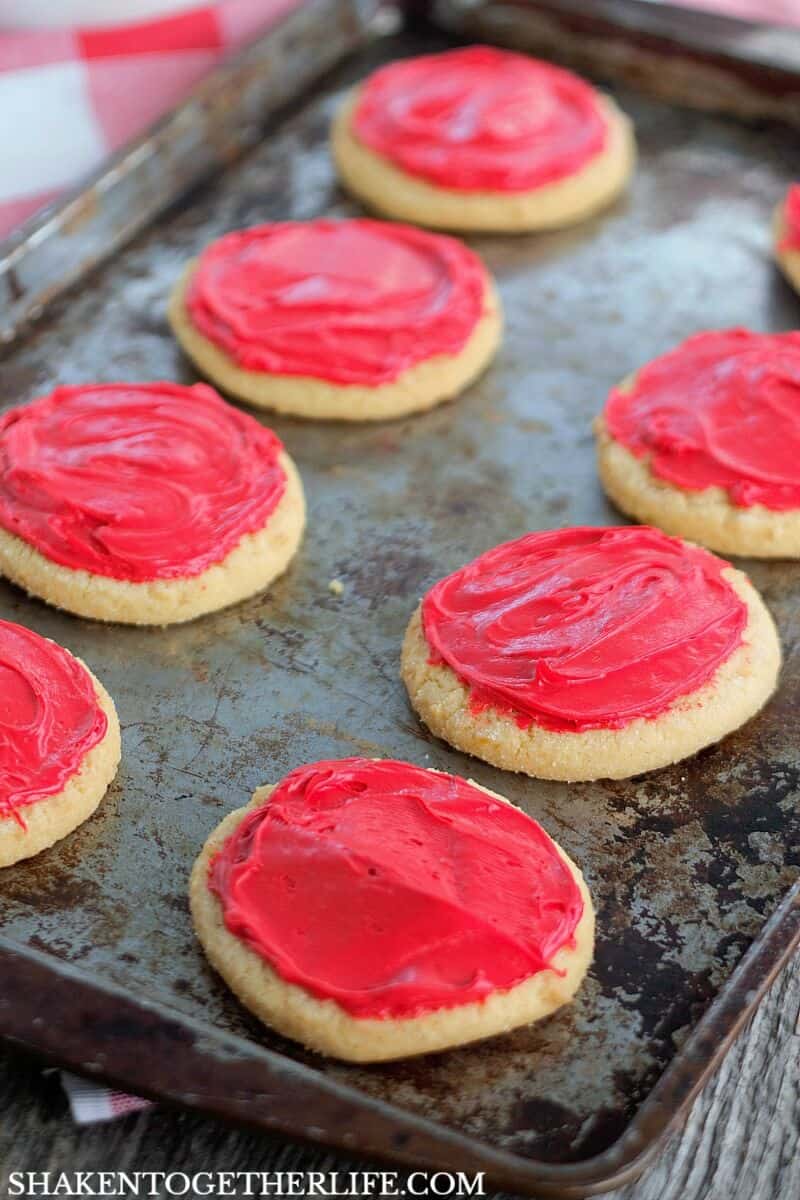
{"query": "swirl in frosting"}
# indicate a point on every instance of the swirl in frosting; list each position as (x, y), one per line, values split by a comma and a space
(481, 120)
(136, 481)
(721, 410)
(351, 302)
(581, 629)
(50, 718)
(394, 890)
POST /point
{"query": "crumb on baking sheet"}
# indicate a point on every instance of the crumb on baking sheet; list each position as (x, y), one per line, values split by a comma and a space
(336, 586)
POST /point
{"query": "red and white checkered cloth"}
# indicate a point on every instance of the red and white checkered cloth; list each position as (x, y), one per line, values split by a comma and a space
(770, 12)
(68, 97)
(90, 1103)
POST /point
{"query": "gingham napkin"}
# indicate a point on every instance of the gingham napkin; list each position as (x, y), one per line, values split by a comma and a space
(91, 1103)
(771, 12)
(70, 96)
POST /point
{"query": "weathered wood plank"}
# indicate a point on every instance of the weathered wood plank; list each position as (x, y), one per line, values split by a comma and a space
(742, 1140)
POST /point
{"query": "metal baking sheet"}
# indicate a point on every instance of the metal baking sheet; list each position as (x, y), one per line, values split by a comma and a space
(686, 56)
(686, 865)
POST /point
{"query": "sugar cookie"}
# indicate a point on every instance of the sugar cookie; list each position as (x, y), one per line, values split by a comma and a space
(590, 653)
(705, 443)
(59, 743)
(482, 139)
(786, 235)
(374, 910)
(346, 320)
(143, 503)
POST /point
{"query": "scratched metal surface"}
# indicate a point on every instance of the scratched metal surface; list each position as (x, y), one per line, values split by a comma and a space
(684, 864)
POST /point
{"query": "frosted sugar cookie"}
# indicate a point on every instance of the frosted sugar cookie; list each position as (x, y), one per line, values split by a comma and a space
(482, 139)
(348, 320)
(374, 910)
(59, 743)
(590, 653)
(786, 239)
(705, 443)
(143, 503)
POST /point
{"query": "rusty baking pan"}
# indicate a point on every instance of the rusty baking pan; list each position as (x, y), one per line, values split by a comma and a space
(691, 867)
(104, 1030)
(685, 56)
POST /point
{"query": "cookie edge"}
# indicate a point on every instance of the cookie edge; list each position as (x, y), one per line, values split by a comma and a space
(54, 817)
(705, 516)
(787, 260)
(324, 1026)
(387, 189)
(421, 387)
(441, 701)
(249, 568)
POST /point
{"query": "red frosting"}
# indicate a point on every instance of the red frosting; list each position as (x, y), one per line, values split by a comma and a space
(134, 481)
(352, 302)
(50, 718)
(791, 218)
(721, 410)
(394, 890)
(584, 628)
(481, 120)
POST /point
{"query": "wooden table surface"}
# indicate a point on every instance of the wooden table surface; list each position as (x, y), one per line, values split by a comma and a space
(742, 1140)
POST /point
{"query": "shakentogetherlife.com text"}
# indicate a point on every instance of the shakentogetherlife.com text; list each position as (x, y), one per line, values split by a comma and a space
(338, 1185)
